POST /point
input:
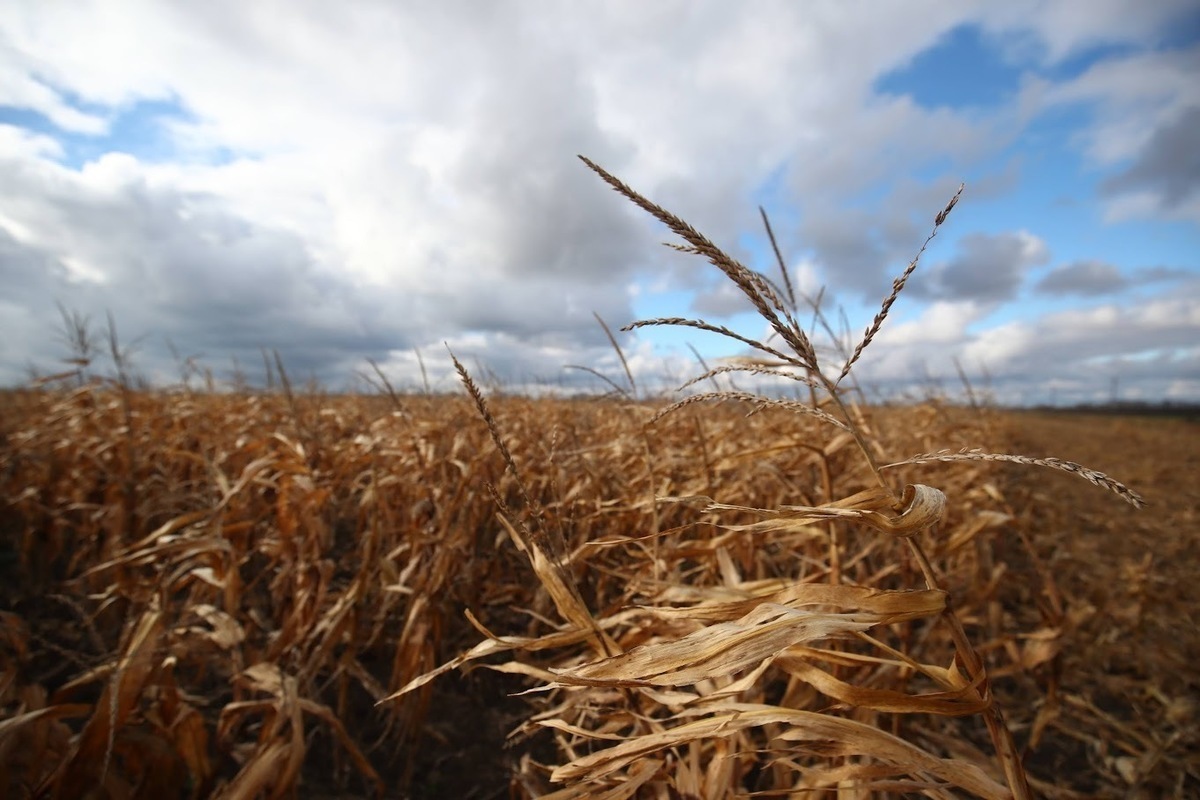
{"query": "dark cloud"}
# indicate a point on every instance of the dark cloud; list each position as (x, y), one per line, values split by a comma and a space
(850, 247)
(167, 264)
(1168, 166)
(1155, 274)
(721, 300)
(860, 250)
(27, 272)
(182, 270)
(988, 268)
(1082, 278)
(1093, 278)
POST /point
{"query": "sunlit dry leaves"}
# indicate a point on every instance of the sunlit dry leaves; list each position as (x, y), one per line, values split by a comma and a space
(719, 650)
(835, 736)
(268, 537)
(918, 509)
(627, 787)
(895, 606)
(960, 702)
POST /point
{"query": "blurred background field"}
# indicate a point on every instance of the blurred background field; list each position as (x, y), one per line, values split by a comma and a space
(211, 594)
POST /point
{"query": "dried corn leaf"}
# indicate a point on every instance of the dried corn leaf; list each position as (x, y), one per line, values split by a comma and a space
(960, 702)
(717, 650)
(919, 508)
(122, 694)
(261, 774)
(498, 644)
(835, 735)
(13, 725)
(227, 632)
(897, 606)
(638, 776)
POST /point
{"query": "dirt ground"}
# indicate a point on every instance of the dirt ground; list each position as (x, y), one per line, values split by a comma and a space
(1131, 579)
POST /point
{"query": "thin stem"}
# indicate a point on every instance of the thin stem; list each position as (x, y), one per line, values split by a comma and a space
(993, 717)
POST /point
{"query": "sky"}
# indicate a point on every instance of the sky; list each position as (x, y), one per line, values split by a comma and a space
(377, 181)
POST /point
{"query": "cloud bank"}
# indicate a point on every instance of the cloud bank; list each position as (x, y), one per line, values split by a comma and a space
(371, 180)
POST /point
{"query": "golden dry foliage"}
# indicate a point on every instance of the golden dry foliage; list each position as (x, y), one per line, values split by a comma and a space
(224, 620)
(737, 595)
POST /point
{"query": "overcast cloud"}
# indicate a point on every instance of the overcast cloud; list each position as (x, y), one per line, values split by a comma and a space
(1083, 277)
(370, 179)
(988, 268)
(1168, 165)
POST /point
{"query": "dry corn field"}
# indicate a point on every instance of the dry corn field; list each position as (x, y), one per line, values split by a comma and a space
(221, 599)
(279, 595)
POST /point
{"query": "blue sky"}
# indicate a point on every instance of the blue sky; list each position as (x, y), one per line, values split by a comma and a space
(371, 181)
(1056, 195)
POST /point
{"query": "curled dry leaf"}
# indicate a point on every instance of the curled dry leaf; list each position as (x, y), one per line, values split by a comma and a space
(920, 508)
(757, 629)
(717, 650)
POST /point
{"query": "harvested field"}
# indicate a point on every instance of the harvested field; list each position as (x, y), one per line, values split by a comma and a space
(1129, 681)
(216, 596)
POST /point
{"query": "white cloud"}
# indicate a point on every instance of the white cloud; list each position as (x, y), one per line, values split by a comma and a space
(1064, 29)
(1142, 105)
(1137, 94)
(20, 91)
(1074, 354)
(1067, 342)
(20, 143)
(940, 323)
(361, 179)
